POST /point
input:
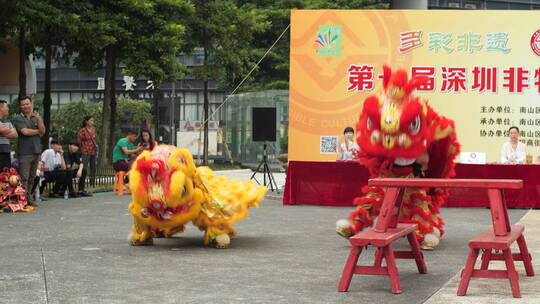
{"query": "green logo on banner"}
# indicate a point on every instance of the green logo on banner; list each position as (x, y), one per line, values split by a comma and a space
(329, 40)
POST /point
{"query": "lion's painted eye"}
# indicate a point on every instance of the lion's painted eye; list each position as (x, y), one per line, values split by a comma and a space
(415, 125)
(369, 123)
(184, 193)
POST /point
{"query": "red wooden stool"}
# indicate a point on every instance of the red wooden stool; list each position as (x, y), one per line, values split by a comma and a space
(386, 231)
(498, 237)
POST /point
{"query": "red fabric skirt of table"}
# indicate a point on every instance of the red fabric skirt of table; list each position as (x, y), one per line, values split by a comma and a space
(338, 183)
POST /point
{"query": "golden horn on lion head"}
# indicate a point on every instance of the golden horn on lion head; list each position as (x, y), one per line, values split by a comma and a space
(390, 119)
(397, 86)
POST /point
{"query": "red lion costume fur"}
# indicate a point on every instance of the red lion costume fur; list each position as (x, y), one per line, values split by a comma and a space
(402, 136)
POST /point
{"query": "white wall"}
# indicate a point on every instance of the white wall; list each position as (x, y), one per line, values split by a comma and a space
(193, 141)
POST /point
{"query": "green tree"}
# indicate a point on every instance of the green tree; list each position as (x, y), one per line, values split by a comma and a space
(273, 71)
(133, 113)
(67, 120)
(15, 16)
(224, 32)
(52, 22)
(6, 23)
(152, 53)
(104, 28)
(39, 27)
(113, 30)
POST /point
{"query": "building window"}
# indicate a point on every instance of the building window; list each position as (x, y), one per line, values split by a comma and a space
(64, 98)
(518, 6)
(76, 97)
(496, 5)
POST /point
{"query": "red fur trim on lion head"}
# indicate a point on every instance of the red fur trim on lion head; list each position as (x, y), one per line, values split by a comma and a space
(400, 79)
(152, 170)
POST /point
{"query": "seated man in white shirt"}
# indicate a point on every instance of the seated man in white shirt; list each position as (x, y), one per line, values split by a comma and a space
(54, 167)
(513, 151)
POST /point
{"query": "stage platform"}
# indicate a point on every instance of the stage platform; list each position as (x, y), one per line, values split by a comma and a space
(338, 183)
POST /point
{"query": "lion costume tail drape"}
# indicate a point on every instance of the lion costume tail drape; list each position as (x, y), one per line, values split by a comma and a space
(226, 201)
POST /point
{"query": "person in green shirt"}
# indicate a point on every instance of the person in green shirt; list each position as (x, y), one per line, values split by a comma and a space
(124, 150)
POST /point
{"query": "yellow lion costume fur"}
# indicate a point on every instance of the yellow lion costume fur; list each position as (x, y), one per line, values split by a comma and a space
(168, 191)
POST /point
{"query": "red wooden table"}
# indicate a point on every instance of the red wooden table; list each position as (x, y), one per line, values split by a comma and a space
(498, 237)
(338, 183)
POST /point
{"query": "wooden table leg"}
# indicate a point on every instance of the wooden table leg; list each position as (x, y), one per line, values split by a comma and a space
(393, 272)
(526, 256)
(513, 276)
(486, 258)
(467, 272)
(378, 257)
(348, 270)
(418, 255)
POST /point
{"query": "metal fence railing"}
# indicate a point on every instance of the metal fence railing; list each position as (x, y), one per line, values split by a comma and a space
(104, 178)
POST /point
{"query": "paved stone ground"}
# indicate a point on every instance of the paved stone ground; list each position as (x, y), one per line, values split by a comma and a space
(245, 174)
(75, 251)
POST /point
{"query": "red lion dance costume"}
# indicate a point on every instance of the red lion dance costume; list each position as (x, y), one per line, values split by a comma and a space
(402, 136)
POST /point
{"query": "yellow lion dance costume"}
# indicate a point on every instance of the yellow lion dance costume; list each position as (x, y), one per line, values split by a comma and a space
(168, 191)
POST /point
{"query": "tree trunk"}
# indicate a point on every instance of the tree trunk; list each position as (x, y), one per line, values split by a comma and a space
(205, 105)
(106, 127)
(157, 98)
(22, 61)
(47, 100)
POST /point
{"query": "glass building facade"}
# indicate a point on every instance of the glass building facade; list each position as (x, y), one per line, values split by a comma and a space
(238, 125)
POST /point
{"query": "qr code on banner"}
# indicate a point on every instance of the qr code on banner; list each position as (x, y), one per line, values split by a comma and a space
(329, 144)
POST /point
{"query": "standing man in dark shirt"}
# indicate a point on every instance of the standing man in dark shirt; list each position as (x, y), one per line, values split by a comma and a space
(30, 128)
(7, 132)
(75, 167)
